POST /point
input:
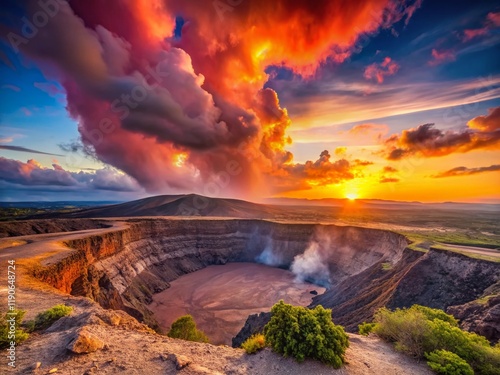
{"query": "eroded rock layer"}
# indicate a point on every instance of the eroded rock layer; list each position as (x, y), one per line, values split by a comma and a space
(364, 268)
(122, 269)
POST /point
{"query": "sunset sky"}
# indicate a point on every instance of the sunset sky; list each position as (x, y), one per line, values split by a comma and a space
(372, 99)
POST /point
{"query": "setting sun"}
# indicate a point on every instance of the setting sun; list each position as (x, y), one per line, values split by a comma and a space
(351, 196)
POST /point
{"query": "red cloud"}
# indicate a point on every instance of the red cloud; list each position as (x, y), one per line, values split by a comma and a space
(441, 57)
(492, 21)
(145, 100)
(378, 72)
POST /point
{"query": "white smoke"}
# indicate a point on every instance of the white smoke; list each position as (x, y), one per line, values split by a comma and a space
(311, 266)
(269, 257)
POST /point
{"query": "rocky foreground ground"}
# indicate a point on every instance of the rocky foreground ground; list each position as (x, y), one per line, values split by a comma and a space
(96, 341)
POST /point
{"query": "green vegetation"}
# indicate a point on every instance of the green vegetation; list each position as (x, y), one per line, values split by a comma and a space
(11, 330)
(386, 266)
(304, 333)
(46, 318)
(448, 363)
(424, 239)
(185, 328)
(420, 330)
(366, 328)
(254, 343)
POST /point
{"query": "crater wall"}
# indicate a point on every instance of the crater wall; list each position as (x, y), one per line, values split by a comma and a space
(122, 269)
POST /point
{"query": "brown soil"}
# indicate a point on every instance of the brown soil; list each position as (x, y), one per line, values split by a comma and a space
(131, 348)
(220, 298)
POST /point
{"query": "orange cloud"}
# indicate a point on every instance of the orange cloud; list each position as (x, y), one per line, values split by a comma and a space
(385, 180)
(373, 131)
(389, 169)
(378, 72)
(427, 141)
(488, 123)
(322, 172)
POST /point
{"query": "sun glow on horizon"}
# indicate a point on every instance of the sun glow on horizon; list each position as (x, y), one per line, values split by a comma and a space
(351, 196)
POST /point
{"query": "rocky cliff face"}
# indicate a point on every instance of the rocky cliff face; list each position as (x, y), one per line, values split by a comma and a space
(481, 316)
(443, 278)
(438, 279)
(364, 268)
(122, 269)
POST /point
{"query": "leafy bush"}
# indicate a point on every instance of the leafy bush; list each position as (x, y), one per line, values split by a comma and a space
(419, 330)
(471, 347)
(17, 334)
(185, 328)
(304, 333)
(433, 314)
(46, 318)
(448, 363)
(407, 328)
(254, 343)
(366, 328)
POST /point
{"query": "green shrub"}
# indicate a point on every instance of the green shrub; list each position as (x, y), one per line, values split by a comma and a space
(407, 328)
(254, 343)
(185, 328)
(304, 333)
(46, 318)
(433, 314)
(366, 328)
(418, 330)
(471, 347)
(6, 334)
(448, 363)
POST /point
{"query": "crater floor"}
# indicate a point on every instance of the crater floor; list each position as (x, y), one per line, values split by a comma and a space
(220, 298)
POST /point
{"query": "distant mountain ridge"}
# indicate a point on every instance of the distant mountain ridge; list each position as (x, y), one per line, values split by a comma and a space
(178, 205)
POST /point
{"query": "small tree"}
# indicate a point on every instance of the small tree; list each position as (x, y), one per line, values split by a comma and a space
(304, 333)
(185, 328)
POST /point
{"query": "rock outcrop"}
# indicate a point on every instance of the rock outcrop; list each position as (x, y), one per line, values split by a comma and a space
(84, 341)
(254, 324)
(481, 316)
(443, 278)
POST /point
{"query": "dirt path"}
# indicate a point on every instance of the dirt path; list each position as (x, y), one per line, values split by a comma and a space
(220, 298)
